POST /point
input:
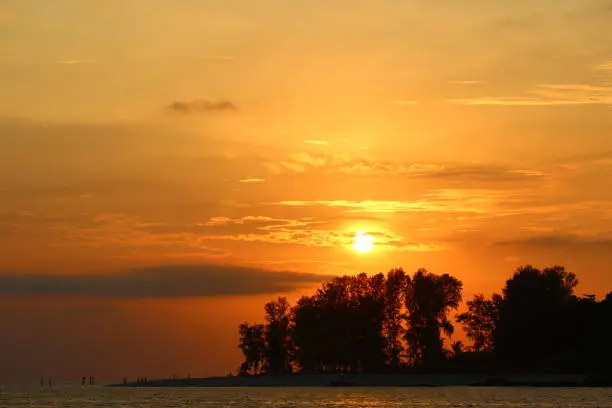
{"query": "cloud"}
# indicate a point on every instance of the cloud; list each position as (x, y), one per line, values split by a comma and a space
(163, 281)
(445, 200)
(473, 203)
(202, 106)
(606, 66)
(467, 82)
(264, 229)
(598, 160)
(548, 95)
(562, 240)
(509, 101)
(367, 167)
(528, 172)
(252, 180)
(317, 142)
(76, 62)
(304, 231)
(252, 218)
(373, 206)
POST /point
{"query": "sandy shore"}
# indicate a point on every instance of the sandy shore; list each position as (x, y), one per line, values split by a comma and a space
(373, 380)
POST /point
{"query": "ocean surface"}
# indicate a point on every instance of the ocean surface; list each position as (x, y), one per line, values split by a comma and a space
(438, 397)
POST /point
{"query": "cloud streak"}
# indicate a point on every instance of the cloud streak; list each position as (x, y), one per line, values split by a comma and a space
(548, 95)
(405, 102)
(467, 82)
(162, 282)
(445, 200)
(252, 180)
(202, 106)
(317, 142)
(606, 66)
(562, 241)
(306, 232)
(76, 62)
(362, 166)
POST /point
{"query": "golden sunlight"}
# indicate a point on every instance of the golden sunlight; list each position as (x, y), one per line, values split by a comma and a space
(363, 242)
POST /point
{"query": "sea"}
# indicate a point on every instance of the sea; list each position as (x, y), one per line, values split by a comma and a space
(330, 397)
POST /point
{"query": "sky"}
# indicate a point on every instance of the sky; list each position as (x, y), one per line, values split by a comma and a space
(166, 167)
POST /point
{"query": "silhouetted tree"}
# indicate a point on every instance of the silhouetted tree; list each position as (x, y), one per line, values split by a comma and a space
(340, 328)
(308, 334)
(369, 323)
(278, 347)
(393, 329)
(457, 348)
(606, 338)
(480, 321)
(532, 316)
(429, 299)
(588, 335)
(367, 301)
(253, 345)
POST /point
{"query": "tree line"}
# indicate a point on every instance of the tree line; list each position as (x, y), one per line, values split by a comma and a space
(400, 322)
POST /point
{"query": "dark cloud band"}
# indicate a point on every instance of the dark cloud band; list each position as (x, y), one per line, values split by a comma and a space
(201, 106)
(165, 281)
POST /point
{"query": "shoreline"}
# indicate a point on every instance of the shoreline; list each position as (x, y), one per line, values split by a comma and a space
(383, 380)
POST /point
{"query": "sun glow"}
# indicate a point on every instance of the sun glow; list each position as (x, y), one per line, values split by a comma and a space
(363, 242)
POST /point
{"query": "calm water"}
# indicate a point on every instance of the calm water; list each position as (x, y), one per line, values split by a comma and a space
(310, 397)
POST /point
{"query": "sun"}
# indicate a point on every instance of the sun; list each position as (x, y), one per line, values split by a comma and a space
(363, 242)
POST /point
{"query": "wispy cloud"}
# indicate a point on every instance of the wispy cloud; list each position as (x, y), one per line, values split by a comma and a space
(606, 66)
(528, 172)
(405, 102)
(76, 62)
(478, 202)
(599, 160)
(254, 218)
(467, 82)
(562, 240)
(518, 101)
(317, 142)
(367, 167)
(202, 106)
(165, 281)
(481, 202)
(306, 232)
(548, 95)
(252, 180)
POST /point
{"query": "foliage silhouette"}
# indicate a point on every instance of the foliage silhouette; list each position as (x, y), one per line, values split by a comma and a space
(278, 347)
(480, 321)
(398, 323)
(429, 299)
(252, 344)
(532, 320)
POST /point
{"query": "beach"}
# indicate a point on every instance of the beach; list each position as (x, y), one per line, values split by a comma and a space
(372, 380)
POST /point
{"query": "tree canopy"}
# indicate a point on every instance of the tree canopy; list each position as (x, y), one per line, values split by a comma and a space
(396, 322)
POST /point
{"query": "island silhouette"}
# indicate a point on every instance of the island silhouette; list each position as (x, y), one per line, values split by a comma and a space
(396, 328)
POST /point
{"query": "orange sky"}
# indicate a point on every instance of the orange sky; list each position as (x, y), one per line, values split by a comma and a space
(158, 158)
